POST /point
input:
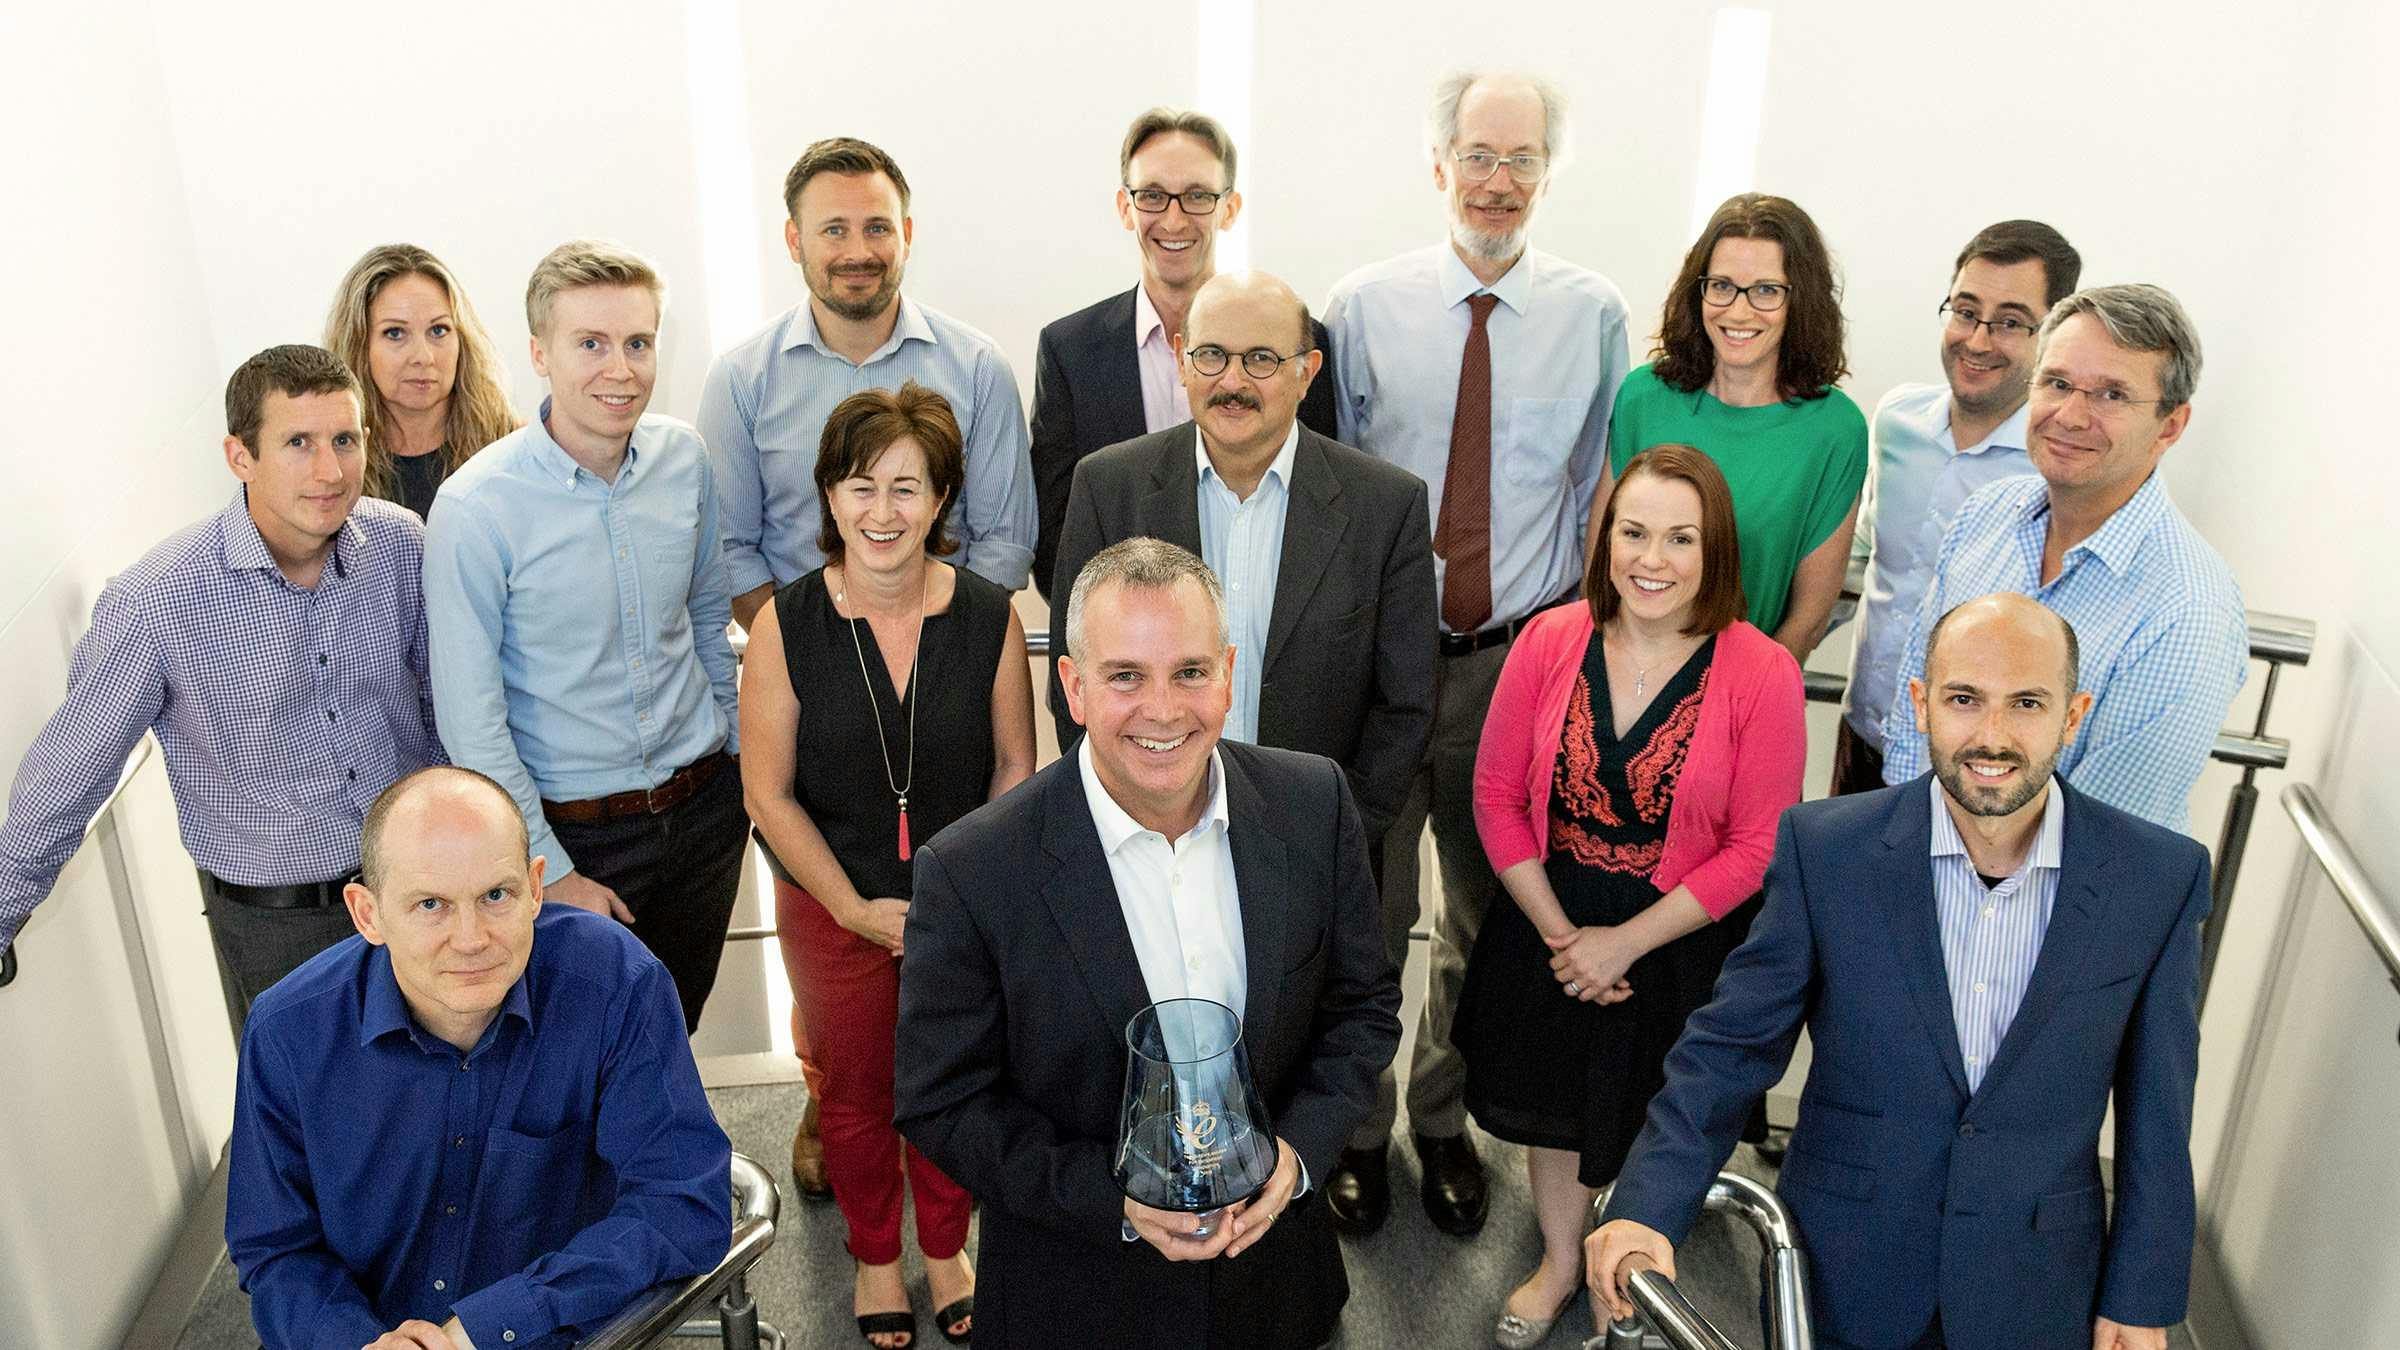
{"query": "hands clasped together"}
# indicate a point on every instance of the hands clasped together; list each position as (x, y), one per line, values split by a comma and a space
(1590, 963)
(1241, 1225)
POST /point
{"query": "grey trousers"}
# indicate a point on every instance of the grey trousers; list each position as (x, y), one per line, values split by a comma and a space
(256, 947)
(1444, 792)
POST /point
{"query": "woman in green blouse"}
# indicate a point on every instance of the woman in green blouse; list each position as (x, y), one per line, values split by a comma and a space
(1743, 368)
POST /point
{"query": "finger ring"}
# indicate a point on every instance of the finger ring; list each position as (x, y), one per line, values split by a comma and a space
(1574, 988)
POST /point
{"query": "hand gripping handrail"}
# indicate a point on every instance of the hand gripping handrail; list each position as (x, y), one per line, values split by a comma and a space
(659, 1314)
(1671, 1319)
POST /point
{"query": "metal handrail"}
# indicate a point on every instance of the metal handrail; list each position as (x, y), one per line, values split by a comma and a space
(1783, 1273)
(661, 1313)
(2325, 843)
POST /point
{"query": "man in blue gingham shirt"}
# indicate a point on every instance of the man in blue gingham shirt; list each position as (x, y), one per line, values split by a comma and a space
(2165, 642)
(277, 649)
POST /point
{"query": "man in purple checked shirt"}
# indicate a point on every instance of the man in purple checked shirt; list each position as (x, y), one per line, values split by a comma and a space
(277, 650)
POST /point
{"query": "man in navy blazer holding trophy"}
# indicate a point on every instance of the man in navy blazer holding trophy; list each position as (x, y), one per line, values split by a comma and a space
(1982, 956)
(1153, 863)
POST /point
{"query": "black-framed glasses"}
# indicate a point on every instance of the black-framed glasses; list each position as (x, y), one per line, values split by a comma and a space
(1259, 363)
(2106, 401)
(1196, 202)
(1478, 165)
(1964, 320)
(1765, 296)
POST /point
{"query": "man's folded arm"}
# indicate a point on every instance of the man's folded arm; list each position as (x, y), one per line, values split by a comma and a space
(674, 1177)
(300, 1292)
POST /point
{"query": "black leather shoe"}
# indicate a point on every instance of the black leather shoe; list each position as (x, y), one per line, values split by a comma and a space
(1359, 1193)
(1456, 1198)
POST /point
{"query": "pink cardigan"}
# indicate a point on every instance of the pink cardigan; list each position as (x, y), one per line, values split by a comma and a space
(1742, 770)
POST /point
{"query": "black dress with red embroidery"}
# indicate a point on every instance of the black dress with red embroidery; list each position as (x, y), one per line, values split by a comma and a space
(1548, 1070)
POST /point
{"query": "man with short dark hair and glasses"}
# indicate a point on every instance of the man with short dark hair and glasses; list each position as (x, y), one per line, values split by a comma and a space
(277, 651)
(1488, 369)
(2164, 640)
(1107, 372)
(1931, 446)
(764, 404)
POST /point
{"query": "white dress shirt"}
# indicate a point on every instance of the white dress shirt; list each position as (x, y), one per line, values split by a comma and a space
(1241, 540)
(1179, 898)
(1991, 935)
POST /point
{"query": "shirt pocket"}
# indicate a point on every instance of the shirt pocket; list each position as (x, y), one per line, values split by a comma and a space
(540, 1183)
(1541, 439)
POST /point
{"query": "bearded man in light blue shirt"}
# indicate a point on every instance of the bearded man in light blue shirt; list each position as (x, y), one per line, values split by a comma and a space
(1932, 446)
(1488, 369)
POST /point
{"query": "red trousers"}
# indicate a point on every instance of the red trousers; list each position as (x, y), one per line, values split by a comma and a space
(847, 991)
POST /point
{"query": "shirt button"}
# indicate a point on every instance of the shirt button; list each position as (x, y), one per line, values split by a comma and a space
(460, 1142)
(1990, 910)
(508, 1336)
(1979, 986)
(1967, 1131)
(450, 1209)
(438, 1285)
(320, 658)
(332, 716)
(354, 775)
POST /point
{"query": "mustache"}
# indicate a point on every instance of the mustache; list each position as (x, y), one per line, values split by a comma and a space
(1238, 398)
(1990, 756)
(858, 270)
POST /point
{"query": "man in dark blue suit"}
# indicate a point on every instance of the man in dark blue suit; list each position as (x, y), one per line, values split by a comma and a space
(1107, 372)
(1982, 957)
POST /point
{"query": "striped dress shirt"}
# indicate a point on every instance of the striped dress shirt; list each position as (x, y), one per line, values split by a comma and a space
(282, 712)
(2159, 621)
(1241, 540)
(1991, 936)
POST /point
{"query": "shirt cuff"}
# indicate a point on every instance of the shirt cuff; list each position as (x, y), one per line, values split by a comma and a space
(745, 570)
(1001, 562)
(503, 1314)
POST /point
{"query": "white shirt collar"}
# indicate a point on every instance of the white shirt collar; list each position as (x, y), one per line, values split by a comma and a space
(2009, 435)
(1514, 287)
(1280, 470)
(1116, 826)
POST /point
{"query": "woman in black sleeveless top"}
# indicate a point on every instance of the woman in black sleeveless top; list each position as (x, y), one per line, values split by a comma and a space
(884, 696)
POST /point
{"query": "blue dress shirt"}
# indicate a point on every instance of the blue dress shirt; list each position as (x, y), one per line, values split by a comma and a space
(1242, 542)
(537, 1182)
(1920, 476)
(579, 626)
(763, 412)
(281, 712)
(1991, 936)
(2158, 620)
(1399, 331)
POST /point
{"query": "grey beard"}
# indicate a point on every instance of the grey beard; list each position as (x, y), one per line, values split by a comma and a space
(1489, 247)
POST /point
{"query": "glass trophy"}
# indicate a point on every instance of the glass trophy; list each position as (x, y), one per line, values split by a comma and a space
(1192, 1137)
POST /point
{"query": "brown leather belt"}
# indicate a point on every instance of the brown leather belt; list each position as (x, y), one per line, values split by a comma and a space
(674, 792)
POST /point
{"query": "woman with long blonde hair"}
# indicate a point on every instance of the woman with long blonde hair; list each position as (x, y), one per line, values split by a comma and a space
(428, 377)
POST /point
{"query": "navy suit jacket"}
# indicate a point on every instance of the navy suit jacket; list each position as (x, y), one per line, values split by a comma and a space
(1087, 395)
(1911, 1193)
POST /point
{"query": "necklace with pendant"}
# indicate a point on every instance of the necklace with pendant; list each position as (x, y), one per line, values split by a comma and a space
(898, 788)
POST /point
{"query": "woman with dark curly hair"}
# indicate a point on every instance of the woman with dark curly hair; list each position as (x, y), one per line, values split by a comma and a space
(1747, 354)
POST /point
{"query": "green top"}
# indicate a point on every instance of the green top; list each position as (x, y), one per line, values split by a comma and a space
(1795, 470)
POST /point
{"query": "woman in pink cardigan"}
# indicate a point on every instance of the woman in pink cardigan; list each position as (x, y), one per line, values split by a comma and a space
(1636, 756)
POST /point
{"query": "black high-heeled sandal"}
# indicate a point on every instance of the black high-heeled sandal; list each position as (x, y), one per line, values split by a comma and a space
(951, 1314)
(871, 1325)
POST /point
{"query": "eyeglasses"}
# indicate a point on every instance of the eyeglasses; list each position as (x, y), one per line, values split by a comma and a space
(1259, 363)
(1154, 200)
(1477, 165)
(2109, 401)
(1964, 320)
(1764, 295)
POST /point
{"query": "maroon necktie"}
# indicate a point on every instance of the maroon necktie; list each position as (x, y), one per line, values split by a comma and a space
(1464, 535)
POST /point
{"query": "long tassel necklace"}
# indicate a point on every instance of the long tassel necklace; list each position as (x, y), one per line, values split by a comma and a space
(900, 787)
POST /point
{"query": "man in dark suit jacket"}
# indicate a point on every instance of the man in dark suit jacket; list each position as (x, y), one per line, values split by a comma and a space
(1977, 975)
(1326, 552)
(1152, 863)
(1105, 373)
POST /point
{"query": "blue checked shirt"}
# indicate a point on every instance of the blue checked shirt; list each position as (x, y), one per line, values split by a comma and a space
(1242, 542)
(541, 1180)
(2164, 639)
(763, 413)
(1991, 937)
(1399, 330)
(281, 712)
(579, 626)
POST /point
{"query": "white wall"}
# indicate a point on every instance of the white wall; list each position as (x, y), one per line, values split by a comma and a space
(198, 183)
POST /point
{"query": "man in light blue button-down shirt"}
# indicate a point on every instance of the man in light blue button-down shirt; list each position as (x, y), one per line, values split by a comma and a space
(1932, 446)
(764, 406)
(577, 607)
(1557, 354)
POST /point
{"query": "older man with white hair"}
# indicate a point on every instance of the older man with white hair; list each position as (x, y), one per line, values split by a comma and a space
(1487, 368)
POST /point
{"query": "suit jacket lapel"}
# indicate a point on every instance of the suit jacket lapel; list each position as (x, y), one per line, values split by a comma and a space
(1262, 875)
(2066, 946)
(1083, 899)
(1906, 882)
(1121, 414)
(1312, 531)
(1170, 510)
